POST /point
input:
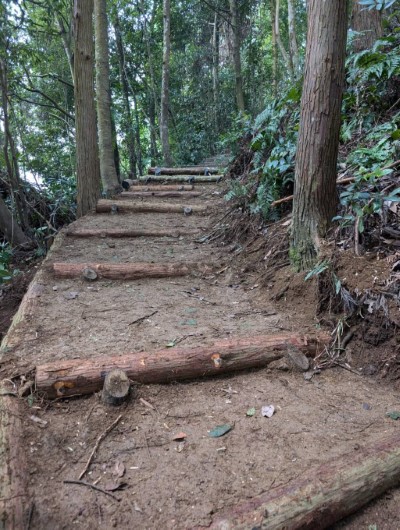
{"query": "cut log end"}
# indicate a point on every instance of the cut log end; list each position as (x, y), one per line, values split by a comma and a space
(116, 388)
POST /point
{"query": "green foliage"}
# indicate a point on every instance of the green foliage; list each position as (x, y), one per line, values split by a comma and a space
(5, 259)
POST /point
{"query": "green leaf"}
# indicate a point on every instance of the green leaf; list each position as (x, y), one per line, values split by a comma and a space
(394, 415)
(220, 430)
(251, 412)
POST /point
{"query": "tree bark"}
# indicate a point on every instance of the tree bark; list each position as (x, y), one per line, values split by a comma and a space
(315, 197)
(294, 50)
(236, 55)
(107, 206)
(108, 171)
(366, 22)
(127, 232)
(130, 136)
(215, 71)
(180, 178)
(128, 271)
(322, 496)
(10, 228)
(194, 170)
(80, 376)
(274, 50)
(164, 117)
(164, 194)
(87, 158)
(163, 187)
(285, 55)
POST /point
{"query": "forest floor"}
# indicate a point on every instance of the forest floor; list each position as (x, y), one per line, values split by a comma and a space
(168, 483)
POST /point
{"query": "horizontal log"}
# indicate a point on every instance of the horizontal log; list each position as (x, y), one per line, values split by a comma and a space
(192, 179)
(129, 271)
(84, 376)
(127, 232)
(322, 496)
(190, 170)
(165, 194)
(107, 205)
(161, 187)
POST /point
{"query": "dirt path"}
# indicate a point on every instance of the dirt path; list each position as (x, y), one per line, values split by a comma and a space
(175, 484)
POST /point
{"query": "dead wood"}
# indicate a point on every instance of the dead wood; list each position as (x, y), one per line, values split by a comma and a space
(13, 464)
(162, 187)
(192, 179)
(84, 376)
(163, 194)
(195, 170)
(119, 206)
(116, 388)
(127, 232)
(128, 271)
(322, 496)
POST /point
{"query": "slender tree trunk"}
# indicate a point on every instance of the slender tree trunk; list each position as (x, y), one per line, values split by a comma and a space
(287, 59)
(294, 50)
(236, 55)
(137, 134)
(10, 228)
(130, 137)
(215, 71)
(315, 198)
(66, 40)
(164, 118)
(87, 158)
(108, 172)
(153, 130)
(274, 50)
(368, 23)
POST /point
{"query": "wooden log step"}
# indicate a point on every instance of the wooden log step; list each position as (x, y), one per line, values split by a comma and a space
(120, 206)
(321, 496)
(165, 194)
(85, 376)
(190, 170)
(180, 178)
(127, 232)
(128, 271)
(161, 187)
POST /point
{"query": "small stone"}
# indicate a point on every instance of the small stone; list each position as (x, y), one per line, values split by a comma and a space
(89, 274)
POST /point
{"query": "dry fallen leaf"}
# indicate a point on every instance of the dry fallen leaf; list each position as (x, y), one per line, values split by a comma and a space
(119, 469)
(180, 436)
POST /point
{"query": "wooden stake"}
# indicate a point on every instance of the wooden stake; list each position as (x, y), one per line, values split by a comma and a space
(85, 376)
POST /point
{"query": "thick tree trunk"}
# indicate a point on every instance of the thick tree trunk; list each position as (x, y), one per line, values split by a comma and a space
(108, 171)
(366, 22)
(294, 51)
(164, 118)
(320, 497)
(108, 206)
(128, 271)
(315, 197)
(10, 228)
(79, 376)
(194, 170)
(130, 136)
(127, 232)
(87, 158)
(236, 55)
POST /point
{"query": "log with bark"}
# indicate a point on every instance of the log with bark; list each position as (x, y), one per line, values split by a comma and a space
(192, 179)
(322, 496)
(14, 506)
(191, 170)
(119, 206)
(129, 271)
(84, 376)
(127, 232)
(161, 187)
(164, 194)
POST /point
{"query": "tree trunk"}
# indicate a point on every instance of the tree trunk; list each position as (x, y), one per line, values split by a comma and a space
(164, 118)
(236, 55)
(368, 23)
(80, 376)
(10, 228)
(66, 41)
(137, 134)
(320, 497)
(274, 50)
(129, 134)
(87, 159)
(190, 170)
(315, 197)
(108, 172)
(287, 59)
(108, 206)
(294, 51)
(162, 194)
(215, 71)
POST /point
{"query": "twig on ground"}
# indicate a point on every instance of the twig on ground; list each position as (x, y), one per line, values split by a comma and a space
(92, 486)
(99, 440)
(138, 320)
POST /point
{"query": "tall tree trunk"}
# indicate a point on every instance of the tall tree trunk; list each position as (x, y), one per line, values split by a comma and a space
(287, 58)
(368, 23)
(215, 71)
(164, 129)
(274, 50)
(66, 40)
(130, 137)
(294, 50)
(236, 55)
(153, 130)
(87, 158)
(108, 172)
(315, 198)
(137, 134)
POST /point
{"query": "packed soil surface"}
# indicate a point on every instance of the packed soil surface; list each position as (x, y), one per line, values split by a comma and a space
(159, 461)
